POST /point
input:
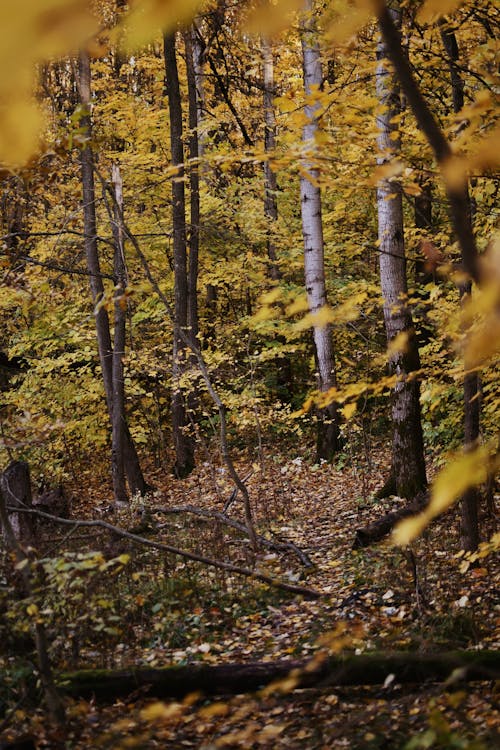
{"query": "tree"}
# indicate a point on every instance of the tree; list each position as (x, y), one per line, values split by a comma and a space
(312, 229)
(124, 453)
(408, 461)
(270, 181)
(183, 442)
(472, 386)
(459, 203)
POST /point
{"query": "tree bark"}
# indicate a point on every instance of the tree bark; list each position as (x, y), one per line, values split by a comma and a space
(469, 526)
(15, 485)
(270, 181)
(458, 197)
(105, 348)
(51, 694)
(229, 679)
(408, 459)
(120, 307)
(183, 443)
(312, 230)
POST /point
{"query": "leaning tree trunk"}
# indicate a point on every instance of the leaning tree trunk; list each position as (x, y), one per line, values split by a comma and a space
(184, 445)
(105, 348)
(408, 462)
(312, 230)
(457, 194)
(472, 387)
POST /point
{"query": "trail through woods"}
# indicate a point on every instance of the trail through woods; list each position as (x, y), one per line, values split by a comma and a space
(379, 598)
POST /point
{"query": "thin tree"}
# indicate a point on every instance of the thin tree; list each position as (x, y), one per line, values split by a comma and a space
(459, 206)
(472, 385)
(183, 442)
(312, 230)
(130, 461)
(408, 461)
(270, 181)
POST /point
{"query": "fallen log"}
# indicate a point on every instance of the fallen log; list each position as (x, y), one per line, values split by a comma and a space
(377, 530)
(230, 679)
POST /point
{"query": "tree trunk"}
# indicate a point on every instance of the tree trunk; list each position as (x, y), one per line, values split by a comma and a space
(134, 474)
(312, 230)
(270, 181)
(230, 679)
(184, 445)
(15, 485)
(120, 308)
(458, 197)
(16, 480)
(408, 462)
(469, 526)
(198, 56)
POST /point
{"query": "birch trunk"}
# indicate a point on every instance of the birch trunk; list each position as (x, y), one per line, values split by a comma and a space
(104, 345)
(408, 462)
(312, 230)
(183, 443)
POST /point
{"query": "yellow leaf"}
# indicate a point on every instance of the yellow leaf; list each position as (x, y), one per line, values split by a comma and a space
(485, 156)
(467, 470)
(318, 319)
(297, 306)
(349, 410)
(159, 711)
(410, 528)
(434, 9)
(347, 19)
(387, 170)
(398, 345)
(123, 559)
(269, 17)
(147, 17)
(32, 610)
(213, 710)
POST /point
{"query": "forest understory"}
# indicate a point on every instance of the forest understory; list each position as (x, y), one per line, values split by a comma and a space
(158, 610)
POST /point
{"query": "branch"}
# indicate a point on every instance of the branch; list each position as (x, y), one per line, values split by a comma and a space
(277, 546)
(142, 541)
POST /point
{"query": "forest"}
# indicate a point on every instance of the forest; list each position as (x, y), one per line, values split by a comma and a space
(249, 433)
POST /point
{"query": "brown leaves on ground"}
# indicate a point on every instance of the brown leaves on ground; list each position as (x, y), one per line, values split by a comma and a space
(373, 600)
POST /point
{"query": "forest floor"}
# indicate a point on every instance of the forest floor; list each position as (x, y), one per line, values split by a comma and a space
(170, 611)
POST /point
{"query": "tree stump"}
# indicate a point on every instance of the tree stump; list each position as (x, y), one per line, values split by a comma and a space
(15, 483)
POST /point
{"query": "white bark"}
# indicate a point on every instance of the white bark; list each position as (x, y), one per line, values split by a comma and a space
(312, 230)
(310, 198)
